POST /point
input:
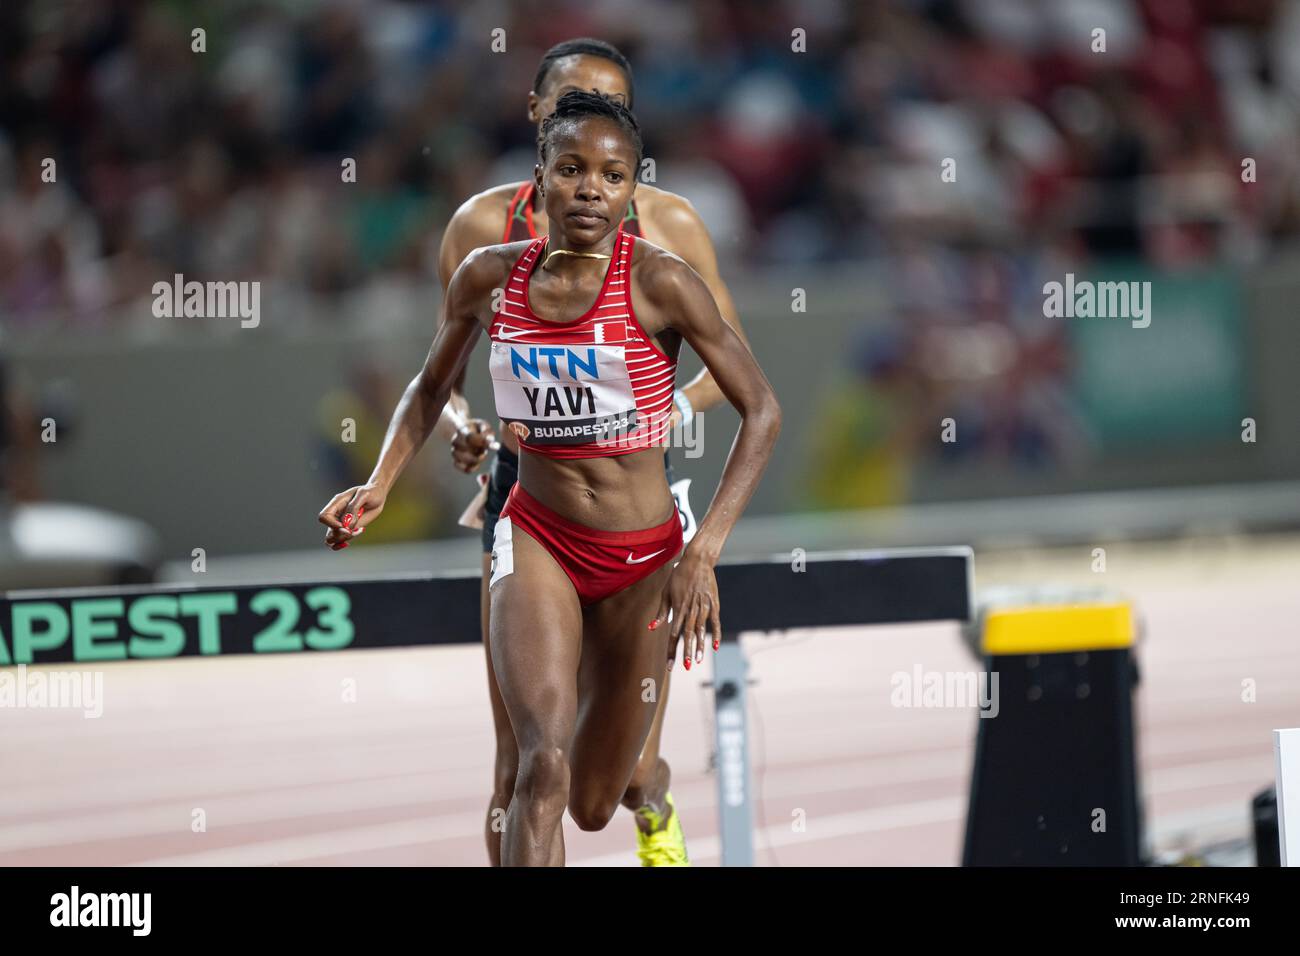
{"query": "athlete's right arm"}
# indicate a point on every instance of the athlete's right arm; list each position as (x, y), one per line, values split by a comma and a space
(468, 295)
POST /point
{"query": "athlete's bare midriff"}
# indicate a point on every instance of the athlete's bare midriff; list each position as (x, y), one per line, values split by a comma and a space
(616, 493)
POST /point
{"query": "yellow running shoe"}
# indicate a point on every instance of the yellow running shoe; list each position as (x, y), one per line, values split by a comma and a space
(664, 845)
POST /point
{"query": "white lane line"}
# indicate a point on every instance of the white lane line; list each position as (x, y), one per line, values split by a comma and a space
(918, 813)
(360, 795)
(893, 817)
(91, 793)
(382, 836)
(220, 813)
(429, 829)
(363, 795)
(1215, 773)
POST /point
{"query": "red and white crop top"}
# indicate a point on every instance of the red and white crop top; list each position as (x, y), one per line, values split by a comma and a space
(589, 388)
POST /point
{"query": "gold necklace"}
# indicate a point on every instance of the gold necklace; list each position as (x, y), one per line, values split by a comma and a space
(570, 252)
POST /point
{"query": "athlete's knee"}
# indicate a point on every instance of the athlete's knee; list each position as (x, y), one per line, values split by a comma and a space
(543, 775)
(592, 808)
(592, 815)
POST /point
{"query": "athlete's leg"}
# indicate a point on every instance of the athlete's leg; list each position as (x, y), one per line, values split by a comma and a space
(506, 765)
(536, 643)
(622, 662)
(652, 776)
(650, 781)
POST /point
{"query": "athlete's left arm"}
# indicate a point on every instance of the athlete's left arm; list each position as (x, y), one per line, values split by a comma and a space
(685, 234)
(679, 297)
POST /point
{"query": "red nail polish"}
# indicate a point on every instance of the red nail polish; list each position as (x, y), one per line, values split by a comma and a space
(715, 645)
(688, 663)
(654, 624)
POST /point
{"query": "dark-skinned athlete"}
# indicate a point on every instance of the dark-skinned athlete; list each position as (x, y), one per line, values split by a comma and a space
(510, 212)
(588, 563)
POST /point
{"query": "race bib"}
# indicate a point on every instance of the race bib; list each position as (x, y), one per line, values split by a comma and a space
(563, 394)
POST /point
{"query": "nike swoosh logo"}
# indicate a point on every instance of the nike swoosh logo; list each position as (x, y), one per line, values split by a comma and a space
(507, 336)
(630, 560)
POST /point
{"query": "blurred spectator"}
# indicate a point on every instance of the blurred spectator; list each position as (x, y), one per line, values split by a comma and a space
(227, 164)
(958, 144)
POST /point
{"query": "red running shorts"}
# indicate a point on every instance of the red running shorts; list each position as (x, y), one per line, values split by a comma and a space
(599, 563)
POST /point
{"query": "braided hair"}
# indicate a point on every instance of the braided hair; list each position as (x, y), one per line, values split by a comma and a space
(578, 105)
(583, 46)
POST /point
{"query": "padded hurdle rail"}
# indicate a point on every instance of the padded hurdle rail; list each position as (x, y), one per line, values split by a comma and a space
(85, 626)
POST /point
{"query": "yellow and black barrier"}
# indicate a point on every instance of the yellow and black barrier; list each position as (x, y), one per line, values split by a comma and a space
(1055, 779)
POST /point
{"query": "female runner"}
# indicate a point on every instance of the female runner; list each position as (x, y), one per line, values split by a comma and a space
(583, 361)
(508, 213)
